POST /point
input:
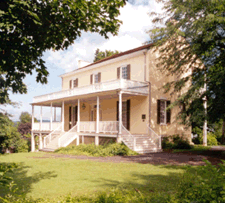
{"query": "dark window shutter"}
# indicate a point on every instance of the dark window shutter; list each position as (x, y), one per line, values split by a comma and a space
(128, 114)
(77, 82)
(91, 78)
(117, 111)
(70, 84)
(168, 113)
(118, 73)
(158, 111)
(99, 77)
(128, 71)
(70, 116)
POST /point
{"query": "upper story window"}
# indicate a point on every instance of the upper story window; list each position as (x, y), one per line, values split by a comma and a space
(95, 78)
(73, 83)
(163, 114)
(124, 72)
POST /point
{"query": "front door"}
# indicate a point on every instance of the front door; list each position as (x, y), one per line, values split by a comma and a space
(74, 115)
(125, 113)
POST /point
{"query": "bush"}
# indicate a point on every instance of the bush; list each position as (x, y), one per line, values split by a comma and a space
(211, 139)
(175, 142)
(203, 184)
(101, 150)
(22, 146)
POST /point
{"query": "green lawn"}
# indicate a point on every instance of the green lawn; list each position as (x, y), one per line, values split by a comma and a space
(41, 177)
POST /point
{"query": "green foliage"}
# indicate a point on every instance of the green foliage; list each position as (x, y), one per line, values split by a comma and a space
(29, 28)
(10, 138)
(25, 117)
(211, 137)
(103, 54)
(190, 38)
(175, 142)
(203, 184)
(101, 150)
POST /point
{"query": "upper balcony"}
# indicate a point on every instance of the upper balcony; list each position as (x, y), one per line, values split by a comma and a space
(127, 86)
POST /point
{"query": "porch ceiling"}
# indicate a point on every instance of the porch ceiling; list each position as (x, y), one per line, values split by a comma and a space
(91, 98)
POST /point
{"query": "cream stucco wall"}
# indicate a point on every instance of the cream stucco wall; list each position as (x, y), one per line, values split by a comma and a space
(108, 72)
(157, 80)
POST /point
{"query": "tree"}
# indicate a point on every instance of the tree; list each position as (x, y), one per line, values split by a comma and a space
(103, 54)
(24, 128)
(9, 136)
(190, 35)
(30, 27)
(25, 117)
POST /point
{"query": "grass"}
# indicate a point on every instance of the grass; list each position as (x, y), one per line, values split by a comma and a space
(196, 148)
(112, 149)
(41, 177)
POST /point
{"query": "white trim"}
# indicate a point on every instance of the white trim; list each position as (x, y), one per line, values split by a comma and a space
(78, 115)
(110, 61)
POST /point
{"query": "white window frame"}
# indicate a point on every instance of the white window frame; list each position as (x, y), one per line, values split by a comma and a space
(73, 82)
(121, 71)
(93, 77)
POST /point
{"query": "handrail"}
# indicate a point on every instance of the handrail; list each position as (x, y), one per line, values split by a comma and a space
(158, 136)
(50, 135)
(130, 136)
(59, 140)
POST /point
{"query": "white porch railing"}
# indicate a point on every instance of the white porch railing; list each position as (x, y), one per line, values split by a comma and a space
(52, 135)
(109, 126)
(68, 137)
(155, 137)
(128, 85)
(46, 126)
(87, 126)
(128, 138)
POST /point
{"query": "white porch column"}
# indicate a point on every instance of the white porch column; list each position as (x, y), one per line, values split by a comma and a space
(120, 112)
(62, 116)
(96, 140)
(32, 134)
(41, 119)
(51, 118)
(97, 116)
(40, 141)
(78, 140)
(78, 115)
(55, 114)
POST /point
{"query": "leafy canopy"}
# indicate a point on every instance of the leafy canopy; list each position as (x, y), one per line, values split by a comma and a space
(30, 27)
(190, 35)
(103, 54)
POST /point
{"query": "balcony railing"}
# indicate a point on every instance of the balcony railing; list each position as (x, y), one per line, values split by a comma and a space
(45, 126)
(128, 85)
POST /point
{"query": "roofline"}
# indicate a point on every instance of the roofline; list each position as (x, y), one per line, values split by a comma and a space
(111, 57)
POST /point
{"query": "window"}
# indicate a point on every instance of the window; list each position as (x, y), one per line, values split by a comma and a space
(163, 114)
(73, 83)
(96, 78)
(124, 72)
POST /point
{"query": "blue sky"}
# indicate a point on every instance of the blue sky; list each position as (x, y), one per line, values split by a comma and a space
(131, 34)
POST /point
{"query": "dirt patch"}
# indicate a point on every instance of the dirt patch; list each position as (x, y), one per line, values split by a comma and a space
(162, 158)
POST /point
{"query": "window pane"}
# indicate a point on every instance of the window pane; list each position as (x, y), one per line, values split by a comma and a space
(162, 111)
(124, 72)
(96, 78)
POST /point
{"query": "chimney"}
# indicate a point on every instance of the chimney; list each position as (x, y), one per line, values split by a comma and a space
(82, 63)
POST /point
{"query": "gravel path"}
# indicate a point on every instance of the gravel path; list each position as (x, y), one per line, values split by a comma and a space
(165, 158)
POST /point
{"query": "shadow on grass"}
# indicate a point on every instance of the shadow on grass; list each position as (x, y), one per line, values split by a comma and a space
(23, 182)
(148, 183)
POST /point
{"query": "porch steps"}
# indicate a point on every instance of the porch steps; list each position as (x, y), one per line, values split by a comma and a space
(144, 144)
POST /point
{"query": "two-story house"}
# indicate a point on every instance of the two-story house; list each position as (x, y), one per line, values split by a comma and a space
(119, 98)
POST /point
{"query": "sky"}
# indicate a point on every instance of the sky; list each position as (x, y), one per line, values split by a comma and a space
(132, 34)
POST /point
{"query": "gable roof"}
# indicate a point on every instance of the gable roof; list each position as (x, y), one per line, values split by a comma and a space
(113, 57)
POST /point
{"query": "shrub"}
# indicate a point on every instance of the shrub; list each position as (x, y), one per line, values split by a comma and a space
(175, 142)
(211, 139)
(203, 184)
(101, 150)
(22, 146)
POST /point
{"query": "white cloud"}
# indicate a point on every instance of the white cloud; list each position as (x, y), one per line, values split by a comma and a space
(132, 34)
